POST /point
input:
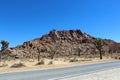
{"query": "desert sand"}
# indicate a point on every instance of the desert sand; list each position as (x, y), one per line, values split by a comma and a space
(56, 63)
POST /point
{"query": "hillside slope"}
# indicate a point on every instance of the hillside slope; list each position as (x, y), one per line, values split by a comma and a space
(64, 43)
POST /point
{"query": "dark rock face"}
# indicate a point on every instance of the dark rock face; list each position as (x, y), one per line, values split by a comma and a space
(113, 46)
(64, 42)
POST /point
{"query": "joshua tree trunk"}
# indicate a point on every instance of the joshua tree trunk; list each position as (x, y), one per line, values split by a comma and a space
(38, 57)
(100, 54)
(39, 51)
(111, 54)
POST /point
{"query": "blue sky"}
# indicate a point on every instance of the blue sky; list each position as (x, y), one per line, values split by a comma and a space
(23, 20)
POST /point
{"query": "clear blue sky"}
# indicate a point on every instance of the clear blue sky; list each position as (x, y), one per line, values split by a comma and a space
(23, 20)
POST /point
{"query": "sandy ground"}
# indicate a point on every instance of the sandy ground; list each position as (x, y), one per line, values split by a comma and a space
(57, 63)
(113, 74)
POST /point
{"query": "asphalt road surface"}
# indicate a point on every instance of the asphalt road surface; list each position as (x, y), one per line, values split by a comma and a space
(59, 73)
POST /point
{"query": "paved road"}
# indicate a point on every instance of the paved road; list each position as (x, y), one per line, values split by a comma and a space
(58, 73)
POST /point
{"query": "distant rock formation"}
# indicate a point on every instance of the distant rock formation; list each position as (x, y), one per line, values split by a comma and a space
(66, 42)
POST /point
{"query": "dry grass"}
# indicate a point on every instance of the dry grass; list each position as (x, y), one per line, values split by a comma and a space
(48, 63)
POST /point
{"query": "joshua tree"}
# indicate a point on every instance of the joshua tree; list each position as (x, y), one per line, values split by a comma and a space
(98, 42)
(78, 51)
(52, 52)
(5, 45)
(39, 51)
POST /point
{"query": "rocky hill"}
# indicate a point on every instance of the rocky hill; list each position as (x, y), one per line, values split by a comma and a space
(64, 43)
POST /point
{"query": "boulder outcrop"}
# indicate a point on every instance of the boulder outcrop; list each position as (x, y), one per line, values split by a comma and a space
(66, 42)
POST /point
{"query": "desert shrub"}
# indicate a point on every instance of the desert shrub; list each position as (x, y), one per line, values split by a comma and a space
(86, 60)
(119, 57)
(73, 60)
(56, 59)
(3, 65)
(64, 60)
(17, 65)
(116, 57)
(40, 62)
(51, 62)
